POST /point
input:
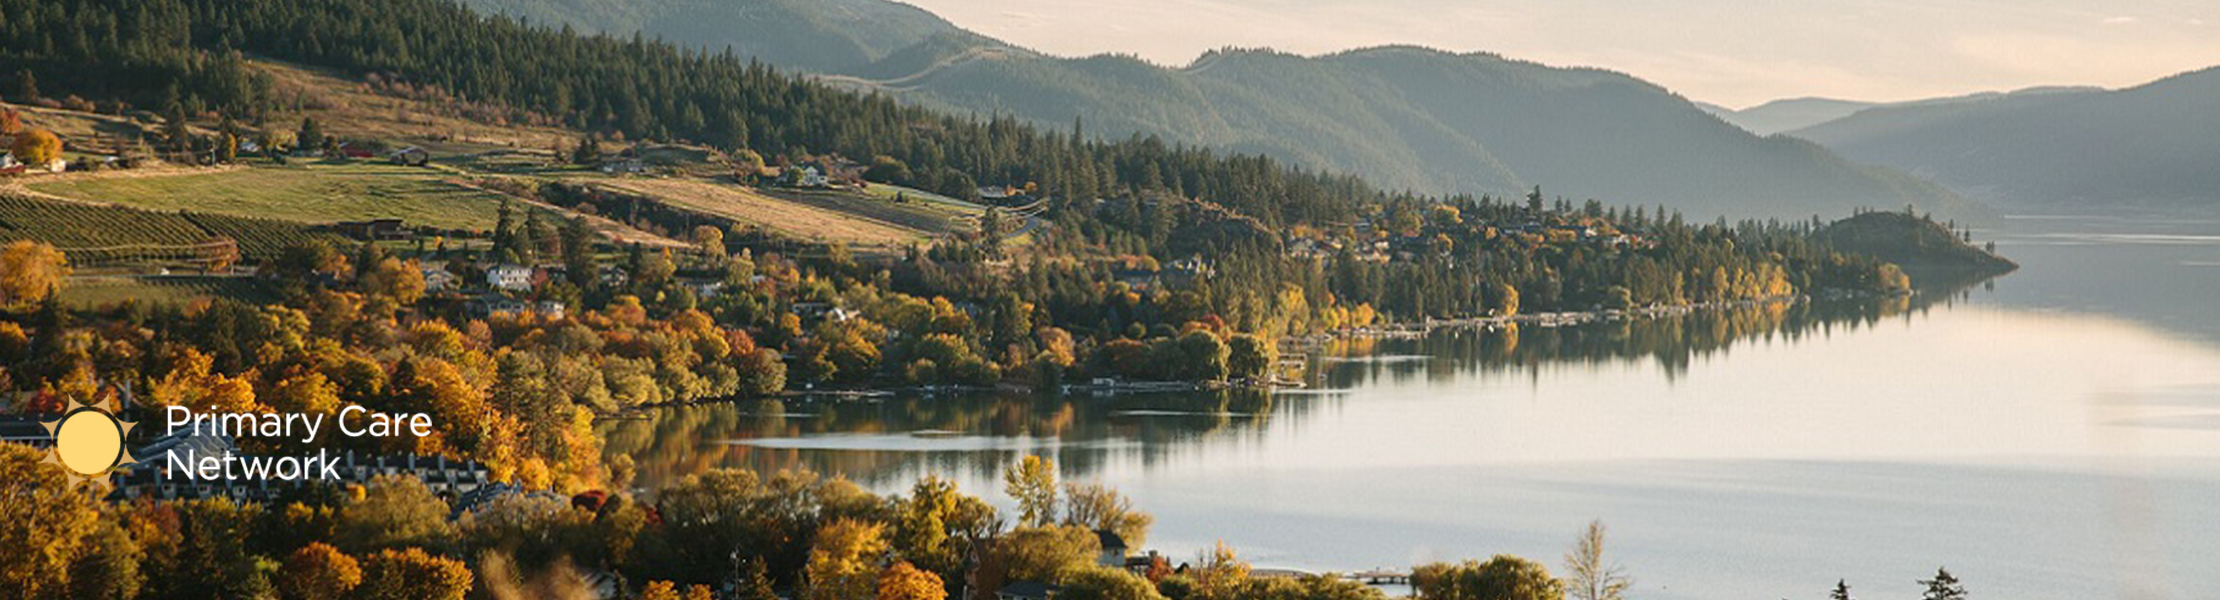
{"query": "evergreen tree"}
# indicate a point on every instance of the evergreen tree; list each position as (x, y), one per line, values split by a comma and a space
(588, 152)
(1841, 592)
(310, 136)
(503, 229)
(1943, 587)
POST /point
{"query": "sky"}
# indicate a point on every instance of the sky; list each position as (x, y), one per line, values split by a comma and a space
(1731, 52)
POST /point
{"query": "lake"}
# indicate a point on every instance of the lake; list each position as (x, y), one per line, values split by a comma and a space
(2052, 434)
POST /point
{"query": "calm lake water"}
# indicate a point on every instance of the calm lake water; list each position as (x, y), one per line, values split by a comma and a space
(2053, 434)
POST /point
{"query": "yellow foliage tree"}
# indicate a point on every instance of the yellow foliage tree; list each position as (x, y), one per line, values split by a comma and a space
(901, 581)
(843, 561)
(660, 590)
(412, 574)
(710, 239)
(43, 522)
(403, 282)
(1033, 484)
(37, 147)
(29, 271)
(319, 572)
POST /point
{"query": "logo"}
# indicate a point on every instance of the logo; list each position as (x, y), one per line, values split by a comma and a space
(88, 442)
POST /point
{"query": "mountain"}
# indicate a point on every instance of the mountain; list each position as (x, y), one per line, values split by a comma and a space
(2151, 147)
(811, 35)
(1797, 113)
(1399, 117)
(1782, 115)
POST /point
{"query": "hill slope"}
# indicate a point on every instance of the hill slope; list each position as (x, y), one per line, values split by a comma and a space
(2149, 147)
(811, 35)
(1398, 117)
(1923, 248)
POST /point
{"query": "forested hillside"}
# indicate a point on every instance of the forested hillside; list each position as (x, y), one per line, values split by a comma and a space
(811, 35)
(1407, 256)
(1401, 118)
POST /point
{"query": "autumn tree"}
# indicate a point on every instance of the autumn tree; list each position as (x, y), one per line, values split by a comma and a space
(107, 564)
(1588, 575)
(1106, 583)
(394, 511)
(1044, 553)
(1100, 507)
(1033, 484)
(43, 523)
(37, 147)
(1503, 577)
(710, 239)
(412, 574)
(921, 525)
(319, 572)
(843, 561)
(401, 281)
(660, 590)
(29, 271)
(900, 581)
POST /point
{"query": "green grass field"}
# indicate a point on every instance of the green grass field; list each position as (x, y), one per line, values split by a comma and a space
(75, 226)
(924, 198)
(307, 193)
(96, 292)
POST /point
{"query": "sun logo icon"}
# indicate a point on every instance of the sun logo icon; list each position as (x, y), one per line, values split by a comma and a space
(88, 442)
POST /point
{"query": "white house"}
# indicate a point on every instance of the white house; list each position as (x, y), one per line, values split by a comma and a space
(437, 279)
(515, 278)
(632, 166)
(810, 177)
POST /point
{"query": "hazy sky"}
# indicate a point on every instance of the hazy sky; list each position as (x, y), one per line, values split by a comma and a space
(1732, 52)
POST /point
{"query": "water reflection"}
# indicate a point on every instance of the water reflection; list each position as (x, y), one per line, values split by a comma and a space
(969, 437)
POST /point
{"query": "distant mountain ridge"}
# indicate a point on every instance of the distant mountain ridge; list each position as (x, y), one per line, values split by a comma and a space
(2153, 147)
(1400, 117)
(1783, 115)
(1790, 114)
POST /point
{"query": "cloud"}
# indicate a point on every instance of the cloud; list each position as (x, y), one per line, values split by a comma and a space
(2122, 20)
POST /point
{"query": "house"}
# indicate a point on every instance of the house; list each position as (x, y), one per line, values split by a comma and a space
(485, 307)
(9, 165)
(624, 166)
(515, 278)
(612, 275)
(437, 279)
(411, 156)
(1113, 548)
(702, 287)
(810, 177)
(549, 308)
(1027, 590)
